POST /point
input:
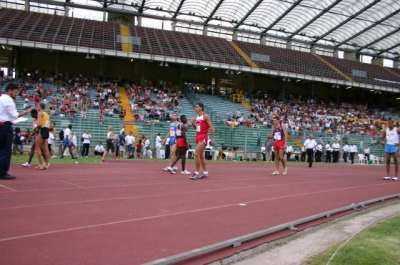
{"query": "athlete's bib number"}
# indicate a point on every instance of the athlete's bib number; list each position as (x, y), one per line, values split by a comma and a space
(171, 132)
(198, 128)
(277, 136)
(178, 132)
(47, 124)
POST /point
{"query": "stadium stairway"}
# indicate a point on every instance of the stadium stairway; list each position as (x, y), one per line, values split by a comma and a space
(125, 38)
(334, 68)
(392, 72)
(128, 119)
(243, 54)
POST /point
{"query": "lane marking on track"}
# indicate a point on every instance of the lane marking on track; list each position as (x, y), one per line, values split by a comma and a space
(170, 214)
(7, 188)
(73, 184)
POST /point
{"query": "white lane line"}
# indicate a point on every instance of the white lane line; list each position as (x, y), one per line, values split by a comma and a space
(7, 188)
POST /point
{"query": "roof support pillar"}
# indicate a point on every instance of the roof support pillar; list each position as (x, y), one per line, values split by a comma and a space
(173, 25)
(377, 61)
(205, 31)
(396, 64)
(313, 50)
(263, 40)
(336, 54)
(352, 56)
(289, 45)
(139, 21)
(27, 5)
(235, 35)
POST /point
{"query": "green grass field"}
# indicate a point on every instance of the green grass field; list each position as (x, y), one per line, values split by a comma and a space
(377, 245)
(15, 159)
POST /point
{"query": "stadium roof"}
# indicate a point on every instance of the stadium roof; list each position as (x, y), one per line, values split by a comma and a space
(370, 27)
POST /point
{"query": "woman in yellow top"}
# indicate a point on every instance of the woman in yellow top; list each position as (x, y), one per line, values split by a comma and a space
(42, 137)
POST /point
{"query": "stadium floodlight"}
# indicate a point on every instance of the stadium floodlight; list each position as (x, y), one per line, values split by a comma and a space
(348, 87)
(87, 56)
(371, 90)
(238, 72)
(166, 65)
(4, 47)
(227, 72)
(298, 80)
(231, 72)
(131, 60)
(205, 68)
(93, 57)
(161, 64)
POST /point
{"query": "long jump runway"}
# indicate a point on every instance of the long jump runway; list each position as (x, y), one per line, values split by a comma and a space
(132, 212)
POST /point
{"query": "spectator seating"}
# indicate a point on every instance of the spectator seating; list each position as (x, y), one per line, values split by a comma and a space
(289, 60)
(376, 75)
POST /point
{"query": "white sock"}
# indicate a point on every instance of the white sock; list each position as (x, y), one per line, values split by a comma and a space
(205, 172)
(196, 172)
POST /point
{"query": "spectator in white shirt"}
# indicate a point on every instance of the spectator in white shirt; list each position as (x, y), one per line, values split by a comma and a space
(353, 151)
(158, 145)
(86, 143)
(310, 145)
(328, 150)
(367, 152)
(129, 140)
(99, 150)
(289, 151)
(50, 142)
(335, 152)
(345, 152)
(318, 153)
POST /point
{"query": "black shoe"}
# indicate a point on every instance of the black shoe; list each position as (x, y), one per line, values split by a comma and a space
(7, 176)
(202, 176)
(194, 176)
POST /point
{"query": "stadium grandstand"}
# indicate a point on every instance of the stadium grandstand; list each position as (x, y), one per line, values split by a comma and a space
(342, 57)
(327, 68)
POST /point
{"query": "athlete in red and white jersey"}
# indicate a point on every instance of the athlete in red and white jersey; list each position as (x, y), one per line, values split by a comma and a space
(203, 125)
(280, 137)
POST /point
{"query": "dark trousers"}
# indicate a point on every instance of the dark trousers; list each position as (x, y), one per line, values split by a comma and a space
(318, 156)
(367, 156)
(328, 156)
(98, 153)
(335, 155)
(310, 157)
(263, 154)
(6, 135)
(85, 149)
(352, 157)
(167, 151)
(345, 154)
(303, 156)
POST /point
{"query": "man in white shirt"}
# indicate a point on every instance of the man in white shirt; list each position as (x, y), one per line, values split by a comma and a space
(263, 152)
(328, 150)
(353, 151)
(129, 139)
(99, 150)
(8, 114)
(158, 145)
(367, 152)
(335, 152)
(310, 145)
(318, 153)
(289, 151)
(86, 143)
(345, 152)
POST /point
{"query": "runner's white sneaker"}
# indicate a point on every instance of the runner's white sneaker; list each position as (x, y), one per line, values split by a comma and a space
(284, 172)
(387, 178)
(275, 172)
(185, 172)
(395, 178)
(26, 164)
(175, 168)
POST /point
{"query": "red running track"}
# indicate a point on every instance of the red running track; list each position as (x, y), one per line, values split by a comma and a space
(132, 212)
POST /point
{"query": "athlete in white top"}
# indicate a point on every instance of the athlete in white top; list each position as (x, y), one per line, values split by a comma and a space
(391, 138)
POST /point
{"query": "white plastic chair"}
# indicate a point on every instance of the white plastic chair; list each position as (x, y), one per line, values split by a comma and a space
(228, 155)
(374, 159)
(362, 159)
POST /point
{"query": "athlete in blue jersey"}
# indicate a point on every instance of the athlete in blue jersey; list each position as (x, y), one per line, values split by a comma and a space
(172, 140)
